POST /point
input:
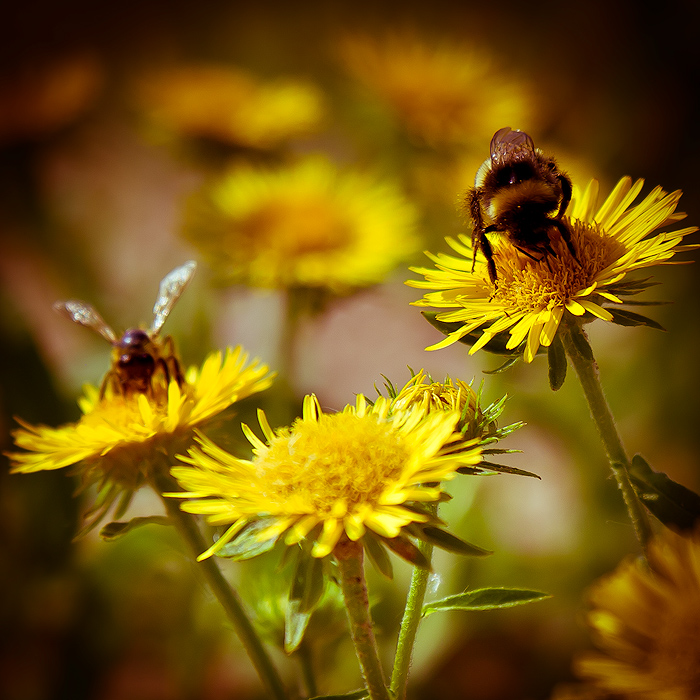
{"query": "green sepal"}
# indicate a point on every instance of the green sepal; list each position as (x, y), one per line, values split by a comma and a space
(579, 339)
(485, 468)
(295, 624)
(485, 599)
(378, 556)
(407, 550)
(556, 357)
(497, 344)
(308, 583)
(674, 505)
(503, 367)
(246, 543)
(631, 287)
(115, 530)
(623, 317)
(446, 540)
(353, 695)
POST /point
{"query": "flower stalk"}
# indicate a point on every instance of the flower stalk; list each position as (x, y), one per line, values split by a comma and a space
(187, 528)
(578, 351)
(350, 558)
(409, 624)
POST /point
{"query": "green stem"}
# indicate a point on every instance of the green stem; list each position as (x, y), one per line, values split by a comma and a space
(305, 656)
(409, 623)
(579, 352)
(350, 556)
(227, 596)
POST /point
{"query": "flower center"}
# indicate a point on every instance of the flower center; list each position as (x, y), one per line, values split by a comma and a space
(339, 458)
(552, 279)
(295, 227)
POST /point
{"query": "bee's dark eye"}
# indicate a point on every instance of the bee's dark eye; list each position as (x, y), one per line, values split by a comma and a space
(504, 176)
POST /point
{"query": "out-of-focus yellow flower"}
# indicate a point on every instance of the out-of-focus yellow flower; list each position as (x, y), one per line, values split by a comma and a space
(531, 296)
(230, 105)
(646, 620)
(308, 225)
(351, 474)
(443, 93)
(120, 438)
(39, 100)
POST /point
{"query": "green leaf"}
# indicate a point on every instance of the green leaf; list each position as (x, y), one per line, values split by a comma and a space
(407, 550)
(673, 504)
(556, 356)
(623, 317)
(295, 624)
(449, 542)
(378, 556)
(503, 367)
(485, 599)
(308, 583)
(115, 530)
(485, 467)
(354, 695)
(579, 339)
(246, 544)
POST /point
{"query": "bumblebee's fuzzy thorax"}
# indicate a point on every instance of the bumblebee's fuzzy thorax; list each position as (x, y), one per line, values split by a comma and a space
(523, 193)
(527, 195)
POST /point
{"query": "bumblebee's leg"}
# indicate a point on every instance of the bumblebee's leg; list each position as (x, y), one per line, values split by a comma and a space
(566, 236)
(566, 191)
(487, 250)
(111, 381)
(172, 365)
(529, 254)
(473, 202)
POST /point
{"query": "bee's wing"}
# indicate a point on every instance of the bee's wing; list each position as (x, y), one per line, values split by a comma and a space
(85, 315)
(169, 292)
(506, 142)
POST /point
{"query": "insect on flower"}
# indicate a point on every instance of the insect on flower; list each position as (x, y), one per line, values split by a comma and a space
(525, 196)
(141, 360)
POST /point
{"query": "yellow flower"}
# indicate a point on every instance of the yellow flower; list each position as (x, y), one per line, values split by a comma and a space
(360, 473)
(307, 225)
(477, 423)
(120, 437)
(443, 93)
(423, 392)
(532, 296)
(646, 618)
(230, 105)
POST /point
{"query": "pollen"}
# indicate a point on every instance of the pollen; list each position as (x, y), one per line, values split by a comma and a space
(342, 457)
(611, 239)
(555, 278)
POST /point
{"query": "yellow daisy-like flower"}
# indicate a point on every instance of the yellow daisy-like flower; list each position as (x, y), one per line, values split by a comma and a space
(423, 392)
(230, 105)
(119, 438)
(358, 473)
(646, 618)
(531, 296)
(308, 225)
(442, 93)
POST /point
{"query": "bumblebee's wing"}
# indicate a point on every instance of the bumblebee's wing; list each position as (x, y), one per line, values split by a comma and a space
(506, 143)
(169, 292)
(85, 315)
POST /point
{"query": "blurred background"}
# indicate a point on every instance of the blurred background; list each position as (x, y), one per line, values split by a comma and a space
(136, 136)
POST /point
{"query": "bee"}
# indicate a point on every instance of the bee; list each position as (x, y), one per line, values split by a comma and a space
(141, 360)
(523, 194)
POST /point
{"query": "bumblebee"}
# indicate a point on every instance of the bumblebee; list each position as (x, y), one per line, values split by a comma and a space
(141, 360)
(523, 194)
